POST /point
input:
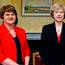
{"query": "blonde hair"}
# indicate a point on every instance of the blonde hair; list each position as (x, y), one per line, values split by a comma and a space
(57, 6)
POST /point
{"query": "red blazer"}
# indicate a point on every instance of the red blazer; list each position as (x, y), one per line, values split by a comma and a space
(7, 44)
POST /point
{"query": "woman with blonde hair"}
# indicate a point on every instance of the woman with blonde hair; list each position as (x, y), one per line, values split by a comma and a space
(52, 49)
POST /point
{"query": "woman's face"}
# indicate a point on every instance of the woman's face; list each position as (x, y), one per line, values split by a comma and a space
(9, 17)
(58, 15)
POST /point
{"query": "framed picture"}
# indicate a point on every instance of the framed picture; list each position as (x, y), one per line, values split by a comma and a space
(36, 7)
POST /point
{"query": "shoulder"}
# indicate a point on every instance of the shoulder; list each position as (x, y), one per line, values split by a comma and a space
(48, 26)
(63, 23)
(2, 28)
(20, 30)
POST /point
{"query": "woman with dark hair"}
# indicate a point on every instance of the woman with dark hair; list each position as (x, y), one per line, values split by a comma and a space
(14, 49)
(52, 49)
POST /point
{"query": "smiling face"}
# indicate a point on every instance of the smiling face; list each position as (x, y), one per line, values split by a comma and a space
(58, 15)
(9, 14)
(58, 12)
(9, 17)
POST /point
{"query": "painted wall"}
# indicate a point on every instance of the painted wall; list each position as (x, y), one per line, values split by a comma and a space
(30, 24)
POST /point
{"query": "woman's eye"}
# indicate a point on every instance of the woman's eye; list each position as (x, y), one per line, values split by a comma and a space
(12, 14)
(7, 14)
(56, 12)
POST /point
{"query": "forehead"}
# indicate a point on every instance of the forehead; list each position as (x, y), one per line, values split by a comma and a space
(8, 13)
(59, 8)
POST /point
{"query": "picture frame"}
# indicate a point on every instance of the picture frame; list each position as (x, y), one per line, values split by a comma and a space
(36, 7)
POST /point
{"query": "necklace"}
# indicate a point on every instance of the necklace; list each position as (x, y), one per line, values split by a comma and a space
(13, 33)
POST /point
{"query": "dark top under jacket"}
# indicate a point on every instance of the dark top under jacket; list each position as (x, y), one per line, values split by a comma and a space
(19, 54)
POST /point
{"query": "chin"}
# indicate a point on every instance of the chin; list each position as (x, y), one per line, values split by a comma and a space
(60, 21)
(11, 23)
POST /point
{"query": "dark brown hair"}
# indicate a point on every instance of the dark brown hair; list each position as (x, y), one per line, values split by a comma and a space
(8, 8)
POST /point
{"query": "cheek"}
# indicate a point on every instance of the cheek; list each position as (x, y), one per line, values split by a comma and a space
(14, 18)
(63, 15)
(55, 16)
(5, 18)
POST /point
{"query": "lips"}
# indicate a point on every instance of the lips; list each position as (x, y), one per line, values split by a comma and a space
(59, 17)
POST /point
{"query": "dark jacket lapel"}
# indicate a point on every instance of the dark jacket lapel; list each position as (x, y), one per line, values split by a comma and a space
(54, 34)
